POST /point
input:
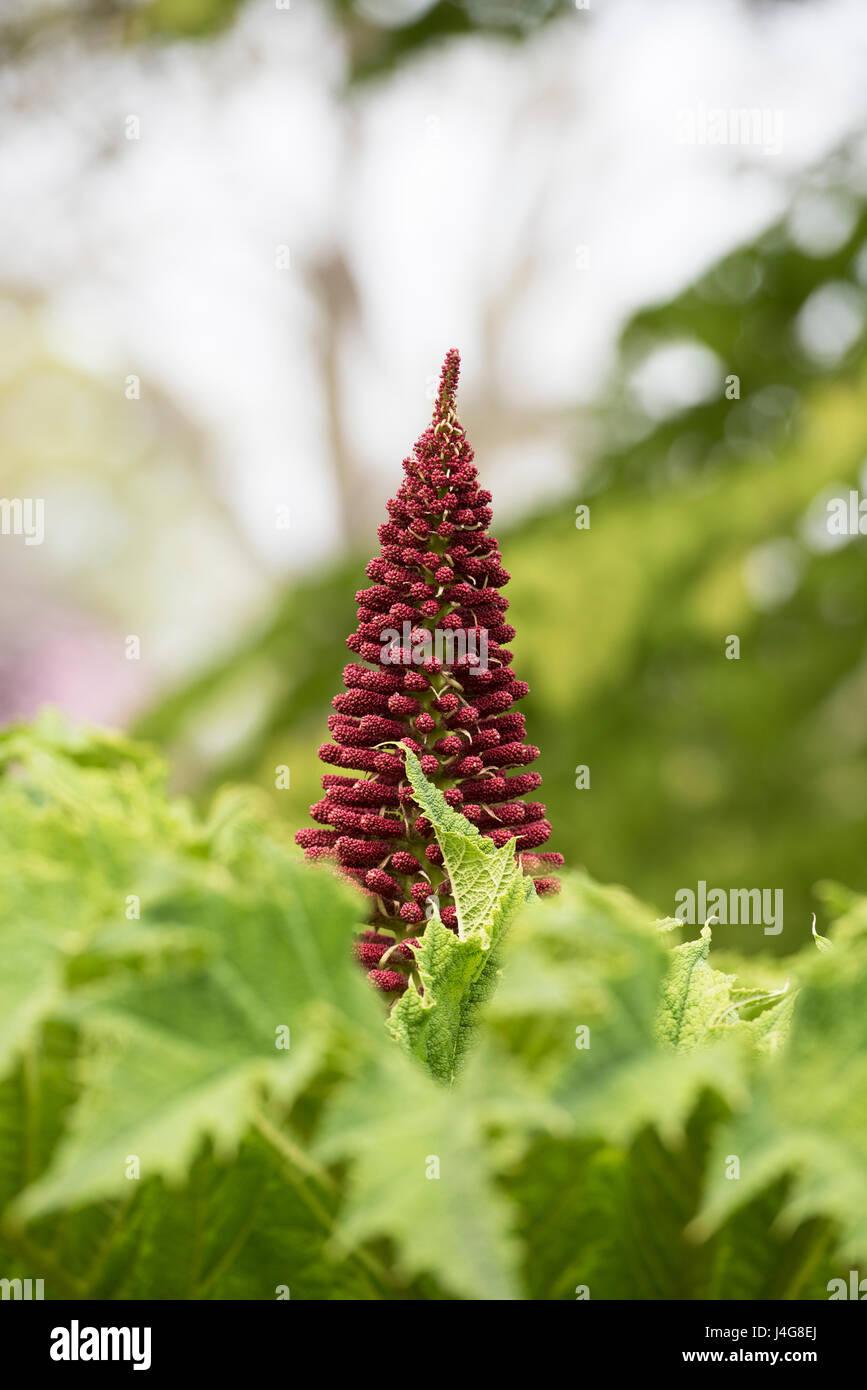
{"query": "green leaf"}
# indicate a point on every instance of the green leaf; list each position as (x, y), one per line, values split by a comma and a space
(700, 1004)
(580, 984)
(36, 1097)
(618, 1226)
(177, 1046)
(578, 1002)
(611, 1081)
(83, 823)
(488, 883)
(808, 1115)
(695, 998)
(422, 1171)
(457, 972)
(752, 1256)
(241, 1228)
(822, 942)
(432, 1024)
(774, 1010)
(621, 1224)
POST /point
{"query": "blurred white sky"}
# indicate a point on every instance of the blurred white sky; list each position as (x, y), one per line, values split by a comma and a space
(441, 207)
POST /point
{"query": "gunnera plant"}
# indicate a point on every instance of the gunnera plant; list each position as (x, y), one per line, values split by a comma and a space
(434, 675)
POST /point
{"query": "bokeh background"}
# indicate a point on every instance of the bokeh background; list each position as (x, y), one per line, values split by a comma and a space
(237, 240)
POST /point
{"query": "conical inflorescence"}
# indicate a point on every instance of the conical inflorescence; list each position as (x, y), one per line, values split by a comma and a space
(434, 673)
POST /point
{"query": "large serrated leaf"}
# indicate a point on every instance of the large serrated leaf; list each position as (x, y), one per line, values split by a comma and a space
(423, 1171)
(176, 1045)
(456, 970)
(700, 1004)
(483, 876)
(806, 1118)
(695, 997)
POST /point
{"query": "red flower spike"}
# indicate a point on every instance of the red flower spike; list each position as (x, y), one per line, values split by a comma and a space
(439, 572)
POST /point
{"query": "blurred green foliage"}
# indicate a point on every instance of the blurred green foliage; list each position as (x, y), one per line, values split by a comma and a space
(375, 48)
(709, 522)
(183, 18)
(199, 1097)
(378, 36)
